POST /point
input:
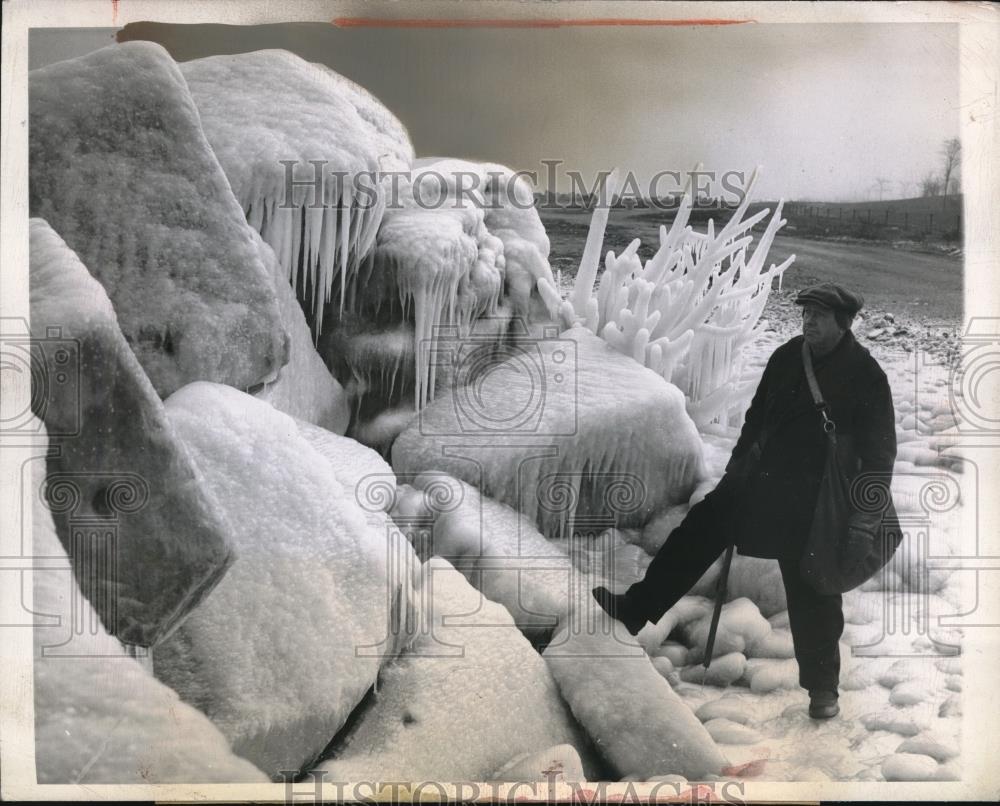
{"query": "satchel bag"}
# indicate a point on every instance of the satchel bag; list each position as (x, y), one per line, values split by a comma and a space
(845, 547)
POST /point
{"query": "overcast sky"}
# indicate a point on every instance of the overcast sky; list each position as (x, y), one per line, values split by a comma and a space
(825, 109)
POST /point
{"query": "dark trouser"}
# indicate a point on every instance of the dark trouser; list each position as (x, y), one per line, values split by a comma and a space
(816, 621)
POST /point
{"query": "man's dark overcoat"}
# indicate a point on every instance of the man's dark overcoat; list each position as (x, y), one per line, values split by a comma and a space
(776, 507)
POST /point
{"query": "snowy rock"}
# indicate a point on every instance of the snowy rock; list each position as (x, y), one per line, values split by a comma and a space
(759, 581)
(314, 579)
(951, 706)
(558, 764)
(731, 708)
(120, 460)
(500, 551)
(905, 669)
(910, 692)
(100, 717)
(263, 109)
(857, 679)
(468, 696)
(948, 772)
(909, 767)
(953, 682)
(656, 532)
(725, 731)
(894, 721)
(740, 624)
(304, 388)
(381, 431)
(618, 442)
(676, 652)
(937, 747)
(775, 644)
(723, 671)
(662, 664)
(772, 675)
(949, 666)
(633, 716)
(122, 171)
(360, 470)
(779, 620)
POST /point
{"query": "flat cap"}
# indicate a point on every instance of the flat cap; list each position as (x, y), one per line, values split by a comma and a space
(832, 296)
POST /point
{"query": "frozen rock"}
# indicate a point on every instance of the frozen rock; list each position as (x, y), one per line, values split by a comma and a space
(759, 581)
(655, 533)
(676, 652)
(270, 112)
(905, 669)
(779, 620)
(740, 624)
(619, 444)
(381, 431)
(909, 767)
(360, 470)
(895, 721)
(725, 731)
(304, 388)
(502, 553)
(558, 764)
(662, 664)
(100, 717)
(164, 544)
(950, 666)
(723, 671)
(910, 692)
(951, 706)
(468, 696)
(858, 679)
(122, 171)
(775, 644)
(953, 682)
(938, 747)
(637, 722)
(772, 675)
(315, 579)
(948, 772)
(730, 708)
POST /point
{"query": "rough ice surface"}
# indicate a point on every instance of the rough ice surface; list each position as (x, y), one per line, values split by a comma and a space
(618, 444)
(304, 388)
(690, 310)
(634, 718)
(467, 697)
(100, 717)
(293, 636)
(269, 109)
(118, 460)
(121, 169)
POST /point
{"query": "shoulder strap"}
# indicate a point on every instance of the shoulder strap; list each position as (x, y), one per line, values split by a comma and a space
(817, 394)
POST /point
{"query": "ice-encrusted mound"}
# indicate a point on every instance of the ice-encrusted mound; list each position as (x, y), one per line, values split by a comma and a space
(304, 388)
(566, 429)
(633, 716)
(294, 635)
(100, 717)
(510, 215)
(119, 463)
(269, 109)
(122, 171)
(500, 552)
(467, 697)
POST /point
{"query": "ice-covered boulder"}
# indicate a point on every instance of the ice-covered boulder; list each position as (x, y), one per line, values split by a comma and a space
(468, 696)
(304, 387)
(740, 625)
(293, 637)
(558, 764)
(937, 746)
(100, 717)
(726, 731)
(500, 551)
(122, 171)
(722, 671)
(120, 464)
(636, 720)
(566, 430)
(731, 708)
(909, 767)
(273, 117)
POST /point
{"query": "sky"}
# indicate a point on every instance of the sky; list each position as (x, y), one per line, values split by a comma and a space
(824, 109)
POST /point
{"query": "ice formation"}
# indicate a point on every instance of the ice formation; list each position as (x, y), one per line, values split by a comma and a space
(294, 635)
(100, 716)
(121, 169)
(559, 764)
(118, 463)
(304, 387)
(631, 713)
(565, 430)
(688, 312)
(470, 695)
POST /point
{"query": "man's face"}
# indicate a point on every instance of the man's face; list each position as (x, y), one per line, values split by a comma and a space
(819, 327)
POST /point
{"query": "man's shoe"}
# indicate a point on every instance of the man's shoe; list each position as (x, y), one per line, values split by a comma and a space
(823, 704)
(616, 605)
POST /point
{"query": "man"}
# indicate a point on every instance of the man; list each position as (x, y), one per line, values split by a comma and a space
(769, 512)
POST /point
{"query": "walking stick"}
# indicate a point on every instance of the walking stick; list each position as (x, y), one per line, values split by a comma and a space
(720, 596)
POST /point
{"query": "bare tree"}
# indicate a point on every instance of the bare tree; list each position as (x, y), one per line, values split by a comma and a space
(882, 184)
(951, 156)
(930, 185)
